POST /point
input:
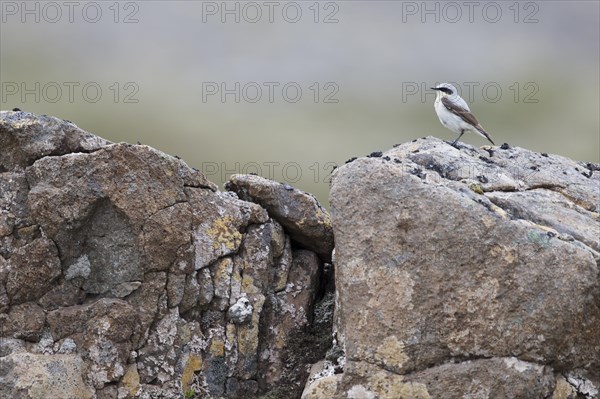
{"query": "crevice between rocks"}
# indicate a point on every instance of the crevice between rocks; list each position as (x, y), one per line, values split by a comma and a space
(451, 361)
(150, 216)
(556, 188)
(57, 154)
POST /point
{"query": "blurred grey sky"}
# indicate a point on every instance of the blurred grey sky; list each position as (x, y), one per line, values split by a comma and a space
(289, 89)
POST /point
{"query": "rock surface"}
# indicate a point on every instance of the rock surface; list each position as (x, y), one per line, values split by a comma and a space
(306, 221)
(32, 375)
(460, 273)
(124, 273)
(466, 273)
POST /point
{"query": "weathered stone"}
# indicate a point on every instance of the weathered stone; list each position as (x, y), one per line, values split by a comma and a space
(168, 390)
(27, 137)
(149, 301)
(322, 382)
(175, 288)
(302, 216)
(126, 260)
(250, 279)
(102, 253)
(215, 235)
(168, 349)
(482, 378)
(324, 387)
(278, 238)
(206, 289)
(551, 209)
(24, 321)
(125, 289)
(30, 376)
(282, 267)
(221, 277)
(371, 381)
(130, 383)
(64, 294)
(193, 364)
(107, 392)
(157, 357)
(73, 320)
(4, 300)
(563, 389)
(191, 293)
(104, 330)
(255, 259)
(582, 385)
(32, 270)
(221, 355)
(96, 208)
(240, 312)
(289, 312)
(67, 347)
(247, 340)
(130, 183)
(13, 210)
(244, 389)
(430, 267)
(12, 345)
(164, 234)
(45, 344)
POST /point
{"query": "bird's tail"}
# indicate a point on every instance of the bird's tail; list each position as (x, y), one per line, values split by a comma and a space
(485, 134)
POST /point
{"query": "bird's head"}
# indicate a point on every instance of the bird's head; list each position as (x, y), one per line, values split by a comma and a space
(445, 89)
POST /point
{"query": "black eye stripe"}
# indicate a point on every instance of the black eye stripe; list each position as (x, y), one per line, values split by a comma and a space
(446, 90)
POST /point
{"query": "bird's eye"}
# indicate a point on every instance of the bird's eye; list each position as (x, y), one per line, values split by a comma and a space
(446, 90)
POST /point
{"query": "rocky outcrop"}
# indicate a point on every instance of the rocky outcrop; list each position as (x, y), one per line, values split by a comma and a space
(465, 273)
(459, 273)
(125, 273)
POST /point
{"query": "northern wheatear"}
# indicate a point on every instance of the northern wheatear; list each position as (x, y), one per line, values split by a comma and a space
(454, 113)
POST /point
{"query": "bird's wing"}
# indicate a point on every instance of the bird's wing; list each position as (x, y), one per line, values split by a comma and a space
(464, 114)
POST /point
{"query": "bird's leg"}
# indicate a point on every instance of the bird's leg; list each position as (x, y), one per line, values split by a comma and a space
(459, 136)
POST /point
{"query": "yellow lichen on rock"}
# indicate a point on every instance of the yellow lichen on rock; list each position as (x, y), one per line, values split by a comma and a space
(217, 347)
(323, 387)
(388, 385)
(391, 353)
(224, 235)
(376, 383)
(193, 364)
(131, 381)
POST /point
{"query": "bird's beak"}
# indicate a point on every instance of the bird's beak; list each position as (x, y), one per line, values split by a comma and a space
(434, 88)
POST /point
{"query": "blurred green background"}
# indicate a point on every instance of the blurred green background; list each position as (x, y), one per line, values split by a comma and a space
(289, 89)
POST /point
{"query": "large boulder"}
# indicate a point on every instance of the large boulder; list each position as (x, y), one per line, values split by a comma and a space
(466, 273)
(126, 273)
